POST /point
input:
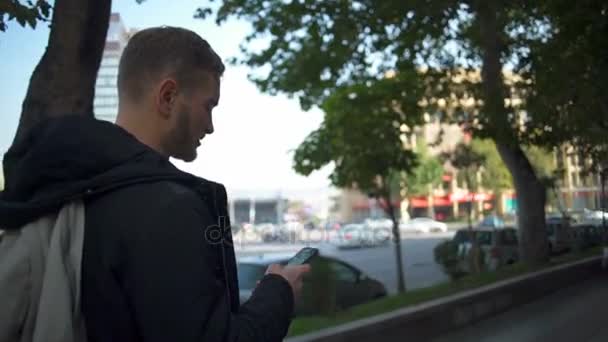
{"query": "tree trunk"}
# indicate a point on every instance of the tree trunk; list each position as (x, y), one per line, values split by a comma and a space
(531, 198)
(398, 255)
(431, 202)
(63, 82)
(467, 180)
(531, 194)
(390, 211)
(474, 253)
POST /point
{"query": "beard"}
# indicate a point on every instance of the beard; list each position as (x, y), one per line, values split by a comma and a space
(183, 146)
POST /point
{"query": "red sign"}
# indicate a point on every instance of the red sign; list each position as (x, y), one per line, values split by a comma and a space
(444, 201)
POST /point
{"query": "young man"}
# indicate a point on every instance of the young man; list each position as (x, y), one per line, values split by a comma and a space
(157, 260)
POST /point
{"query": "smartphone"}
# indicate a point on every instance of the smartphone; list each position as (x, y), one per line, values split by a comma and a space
(303, 256)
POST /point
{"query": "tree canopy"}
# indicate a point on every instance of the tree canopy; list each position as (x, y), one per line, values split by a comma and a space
(361, 136)
(566, 70)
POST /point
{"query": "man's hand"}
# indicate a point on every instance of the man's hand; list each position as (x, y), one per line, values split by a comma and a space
(292, 273)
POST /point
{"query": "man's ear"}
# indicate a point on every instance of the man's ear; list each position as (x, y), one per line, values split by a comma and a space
(166, 95)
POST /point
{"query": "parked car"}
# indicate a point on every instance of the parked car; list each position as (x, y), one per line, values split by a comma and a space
(423, 225)
(379, 223)
(332, 225)
(360, 235)
(559, 234)
(351, 287)
(499, 247)
(594, 216)
(491, 221)
(586, 236)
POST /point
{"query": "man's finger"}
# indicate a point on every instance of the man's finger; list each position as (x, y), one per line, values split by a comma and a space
(274, 268)
(302, 270)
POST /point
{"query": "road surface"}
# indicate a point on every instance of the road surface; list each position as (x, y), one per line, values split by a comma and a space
(377, 262)
(575, 314)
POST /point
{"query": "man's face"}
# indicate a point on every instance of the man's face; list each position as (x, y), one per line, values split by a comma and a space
(191, 117)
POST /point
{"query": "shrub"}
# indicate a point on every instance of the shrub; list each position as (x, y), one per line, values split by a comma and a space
(446, 255)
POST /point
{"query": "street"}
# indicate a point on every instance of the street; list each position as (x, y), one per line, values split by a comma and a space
(577, 313)
(377, 262)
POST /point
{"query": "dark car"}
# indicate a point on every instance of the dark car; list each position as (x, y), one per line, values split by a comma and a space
(352, 286)
(586, 236)
(491, 221)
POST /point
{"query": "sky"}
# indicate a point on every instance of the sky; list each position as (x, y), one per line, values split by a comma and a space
(254, 133)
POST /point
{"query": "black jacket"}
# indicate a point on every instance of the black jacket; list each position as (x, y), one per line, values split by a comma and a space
(158, 262)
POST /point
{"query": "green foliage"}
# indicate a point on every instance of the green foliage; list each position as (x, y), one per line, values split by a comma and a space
(361, 136)
(28, 14)
(446, 255)
(495, 175)
(308, 49)
(464, 157)
(426, 174)
(567, 70)
(317, 46)
(543, 161)
(468, 162)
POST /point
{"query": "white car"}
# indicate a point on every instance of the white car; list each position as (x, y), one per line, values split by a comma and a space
(360, 235)
(423, 225)
(379, 223)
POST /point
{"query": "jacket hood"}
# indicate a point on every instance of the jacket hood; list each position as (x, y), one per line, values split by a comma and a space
(71, 157)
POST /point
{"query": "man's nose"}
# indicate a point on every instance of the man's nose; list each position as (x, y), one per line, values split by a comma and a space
(210, 128)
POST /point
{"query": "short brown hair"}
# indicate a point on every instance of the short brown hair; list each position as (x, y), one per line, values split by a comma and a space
(160, 52)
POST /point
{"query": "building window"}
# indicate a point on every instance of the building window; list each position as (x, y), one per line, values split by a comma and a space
(103, 91)
(109, 61)
(108, 71)
(105, 81)
(105, 101)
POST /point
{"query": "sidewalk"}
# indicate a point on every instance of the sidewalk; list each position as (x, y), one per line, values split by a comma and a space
(578, 313)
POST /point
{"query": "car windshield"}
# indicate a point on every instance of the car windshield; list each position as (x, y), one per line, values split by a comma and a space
(249, 274)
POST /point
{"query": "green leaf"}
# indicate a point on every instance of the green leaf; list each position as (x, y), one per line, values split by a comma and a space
(45, 9)
(22, 21)
(31, 20)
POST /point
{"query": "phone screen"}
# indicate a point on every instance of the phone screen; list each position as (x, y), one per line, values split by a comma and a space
(303, 256)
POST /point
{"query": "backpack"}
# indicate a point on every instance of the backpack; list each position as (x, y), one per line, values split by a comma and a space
(40, 271)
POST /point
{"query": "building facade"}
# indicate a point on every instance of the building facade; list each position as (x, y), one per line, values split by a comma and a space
(257, 210)
(105, 104)
(578, 188)
(449, 199)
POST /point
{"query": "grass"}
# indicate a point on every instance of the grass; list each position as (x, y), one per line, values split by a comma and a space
(309, 324)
